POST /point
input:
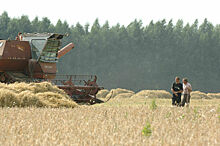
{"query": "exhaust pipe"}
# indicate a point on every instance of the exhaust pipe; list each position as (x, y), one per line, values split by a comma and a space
(65, 50)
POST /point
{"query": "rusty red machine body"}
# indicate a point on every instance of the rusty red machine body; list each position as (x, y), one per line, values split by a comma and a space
(33, 58)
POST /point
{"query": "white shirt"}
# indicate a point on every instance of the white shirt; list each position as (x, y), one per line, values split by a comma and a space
(186, 88)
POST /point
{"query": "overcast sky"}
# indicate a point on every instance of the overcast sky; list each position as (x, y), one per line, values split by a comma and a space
(115, 11)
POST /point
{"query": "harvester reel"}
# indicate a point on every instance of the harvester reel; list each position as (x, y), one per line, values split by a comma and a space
(95, 90)
(79, 92)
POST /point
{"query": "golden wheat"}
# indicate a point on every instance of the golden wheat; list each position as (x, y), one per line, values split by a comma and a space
(117, 122)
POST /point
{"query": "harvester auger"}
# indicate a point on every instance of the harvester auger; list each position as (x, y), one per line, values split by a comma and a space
(32, 57)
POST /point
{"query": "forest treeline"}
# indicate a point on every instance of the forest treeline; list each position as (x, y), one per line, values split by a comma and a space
(135, 56)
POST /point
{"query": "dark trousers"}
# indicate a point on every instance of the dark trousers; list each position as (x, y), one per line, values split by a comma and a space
(186, 99)
(176, 100)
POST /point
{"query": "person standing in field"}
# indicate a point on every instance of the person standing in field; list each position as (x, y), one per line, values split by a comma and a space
(177, 89)
(187, 89)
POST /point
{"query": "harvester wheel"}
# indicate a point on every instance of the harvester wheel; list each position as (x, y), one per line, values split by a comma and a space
(93, 91)
(92, 101)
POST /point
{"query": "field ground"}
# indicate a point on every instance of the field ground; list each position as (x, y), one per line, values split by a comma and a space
(117, 122)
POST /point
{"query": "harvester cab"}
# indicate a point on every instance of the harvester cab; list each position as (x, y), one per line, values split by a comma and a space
(44, 47)
(32, 57)
(45, 52)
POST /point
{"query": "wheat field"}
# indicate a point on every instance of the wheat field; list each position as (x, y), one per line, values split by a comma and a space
(117, 122)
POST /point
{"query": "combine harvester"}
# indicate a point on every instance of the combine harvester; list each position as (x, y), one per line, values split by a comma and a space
(32, 57)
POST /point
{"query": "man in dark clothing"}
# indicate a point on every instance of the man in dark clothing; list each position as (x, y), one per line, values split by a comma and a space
(177, 89)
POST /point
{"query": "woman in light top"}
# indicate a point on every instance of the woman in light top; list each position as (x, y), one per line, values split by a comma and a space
(187, 89)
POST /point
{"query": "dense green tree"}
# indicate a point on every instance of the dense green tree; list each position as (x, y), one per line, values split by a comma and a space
(95, 27)
(44, 25)
(12, 29)
(35, 24)
(4, 21)
(24, 24)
